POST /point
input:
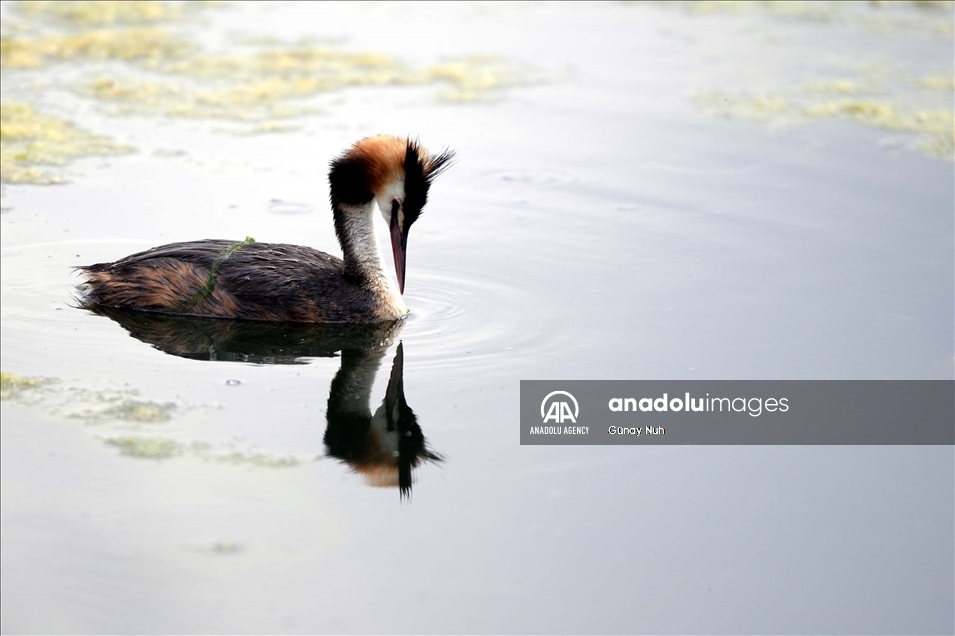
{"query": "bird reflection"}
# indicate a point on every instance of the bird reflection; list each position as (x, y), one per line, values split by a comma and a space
(246, 340)
(385, 446)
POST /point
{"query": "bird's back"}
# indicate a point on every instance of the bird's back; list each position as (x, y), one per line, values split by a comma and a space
(234, 279)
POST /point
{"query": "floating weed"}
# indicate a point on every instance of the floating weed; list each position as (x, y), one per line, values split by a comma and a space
(143, 412)
(242, 103)
(884, 17)
(178, 100)
(937, 147)
(303, 61)
(110, 89)
(937, 128)
(872, 94)
(105, 12)
(259, 460)
(163, 448)
(808, 11)
(481, 78)
(110, 407)
(253, 86)
(119, 408)
(13, 386)
(29, 139)
(90, 405)
(267, 127)
(146, 447)
(226, 547)
(943, 82)
(841, 87)
(763, 108)
(934, 130)
(145, 45)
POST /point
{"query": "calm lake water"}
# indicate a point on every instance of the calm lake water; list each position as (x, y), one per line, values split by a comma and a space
(655, 191)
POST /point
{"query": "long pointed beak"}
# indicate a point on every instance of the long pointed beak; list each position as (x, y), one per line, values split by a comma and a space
(399, 246)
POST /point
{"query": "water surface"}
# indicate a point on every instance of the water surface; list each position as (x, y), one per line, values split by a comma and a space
(649, 191)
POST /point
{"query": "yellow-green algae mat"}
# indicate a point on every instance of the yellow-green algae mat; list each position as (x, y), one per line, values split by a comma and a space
(916, 105)
(165, 72)
(30, 143)
(122, 411)
(934, 130)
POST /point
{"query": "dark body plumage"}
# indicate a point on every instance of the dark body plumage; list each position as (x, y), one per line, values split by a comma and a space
(258, 281)
(291, 283)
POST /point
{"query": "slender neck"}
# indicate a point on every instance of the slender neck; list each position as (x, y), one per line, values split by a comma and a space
(355, 228)
(351, 388)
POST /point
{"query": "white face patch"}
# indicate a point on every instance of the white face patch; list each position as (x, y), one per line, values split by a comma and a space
(393, 191)
(386, 441)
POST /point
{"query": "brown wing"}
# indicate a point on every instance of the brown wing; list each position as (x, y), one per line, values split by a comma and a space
(163, 278)
(256, 281)
(198, 252)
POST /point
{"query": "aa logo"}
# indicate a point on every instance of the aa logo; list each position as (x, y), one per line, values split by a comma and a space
(556, 407)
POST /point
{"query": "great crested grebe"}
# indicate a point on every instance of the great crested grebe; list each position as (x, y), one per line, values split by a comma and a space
(291, 283)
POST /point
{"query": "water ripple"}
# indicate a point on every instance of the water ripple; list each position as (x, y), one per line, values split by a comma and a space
(459, 321)
(540, 177)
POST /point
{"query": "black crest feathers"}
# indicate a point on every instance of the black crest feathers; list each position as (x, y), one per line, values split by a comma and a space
(348, 180)
(420, 170)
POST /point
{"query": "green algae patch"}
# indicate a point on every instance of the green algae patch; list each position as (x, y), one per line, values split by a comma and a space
(882, 17)
(761, 109)
(120, 408)
(226, 547)
(933, 130)
(146, 45)
(945, 82)
(267, 127)
(838, 87)
(168, 73)
(258, 460)
(884, 115)
(146, 447)
(13, 385)
(481, 78)
(102, 13)
(253, 85)
(165, 448)
(174, 99)
(936, 128)
(809, 83)
(29, 139)
(139, 411)
(302, 61)
(122, 419)
(809, 11)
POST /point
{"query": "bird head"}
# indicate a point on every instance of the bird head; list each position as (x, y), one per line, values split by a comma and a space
(397, 175)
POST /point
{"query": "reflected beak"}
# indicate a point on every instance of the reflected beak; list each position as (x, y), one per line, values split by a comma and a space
(399, 246)
(395, 392)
